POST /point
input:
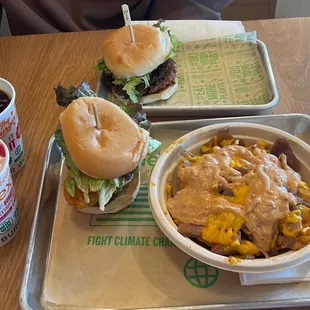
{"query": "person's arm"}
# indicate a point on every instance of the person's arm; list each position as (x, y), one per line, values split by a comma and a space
(32, 17)
(187, 9)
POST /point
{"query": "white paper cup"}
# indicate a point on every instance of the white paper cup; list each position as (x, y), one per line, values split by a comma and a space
(10, 129)
(9, 215)
(192, 142)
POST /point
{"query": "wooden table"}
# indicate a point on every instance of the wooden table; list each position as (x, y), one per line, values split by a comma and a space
(35, 64)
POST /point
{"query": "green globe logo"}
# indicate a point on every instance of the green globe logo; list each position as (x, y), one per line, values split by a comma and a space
(199, 274)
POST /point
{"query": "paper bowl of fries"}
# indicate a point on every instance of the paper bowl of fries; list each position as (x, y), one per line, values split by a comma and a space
(235, 196)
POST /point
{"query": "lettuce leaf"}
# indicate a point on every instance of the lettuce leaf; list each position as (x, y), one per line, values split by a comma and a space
(146, 80)
(78, 178)
(121, 182)
(61, 143)
(101, 66)
(95, 184)
(153, 145)
(173, 39)
(130, 84)
(130, 88)
(64, 96)
(159, 25)
(175, 45)
(106, 192)
(134, 110)
(82, 181)
(109, 187)
(85, 183)
(70, 186)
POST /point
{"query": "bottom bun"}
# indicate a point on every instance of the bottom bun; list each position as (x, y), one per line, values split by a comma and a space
(120, 201)
(162, 95)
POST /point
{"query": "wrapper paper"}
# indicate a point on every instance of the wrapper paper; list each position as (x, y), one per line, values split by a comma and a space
(220, 71)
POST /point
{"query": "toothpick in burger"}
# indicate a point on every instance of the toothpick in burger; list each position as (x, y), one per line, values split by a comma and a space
(103, 162)
(142, 71)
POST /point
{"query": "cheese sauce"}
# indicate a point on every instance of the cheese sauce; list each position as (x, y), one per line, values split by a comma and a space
(261, 197)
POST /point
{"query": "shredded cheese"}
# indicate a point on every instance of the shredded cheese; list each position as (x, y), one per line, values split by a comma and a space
(293, 217)
(222, 228)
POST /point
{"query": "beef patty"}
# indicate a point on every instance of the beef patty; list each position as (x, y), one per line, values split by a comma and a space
(162, 77)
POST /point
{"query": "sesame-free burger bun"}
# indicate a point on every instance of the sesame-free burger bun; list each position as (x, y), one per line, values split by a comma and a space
(114, 150)
(128, 59)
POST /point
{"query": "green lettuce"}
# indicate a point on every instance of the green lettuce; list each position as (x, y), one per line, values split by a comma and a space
(108, 188)
(82, 181)
(153, 145)
(64, 96)
(70, 186)
(130, 84)
(173, 39)
(175, 45)
(85, 183)
(160, 25)
(95, 184)
(121, 182)
(146, 80)
(61, 143)
(101, 66)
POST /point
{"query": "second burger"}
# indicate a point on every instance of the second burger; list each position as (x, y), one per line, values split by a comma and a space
(142, 71)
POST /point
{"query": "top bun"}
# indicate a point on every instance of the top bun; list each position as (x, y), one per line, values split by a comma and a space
(114, 150)
(128, 59)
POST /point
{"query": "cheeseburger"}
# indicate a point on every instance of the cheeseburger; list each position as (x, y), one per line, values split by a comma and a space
(102, 161)
(142, 71)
